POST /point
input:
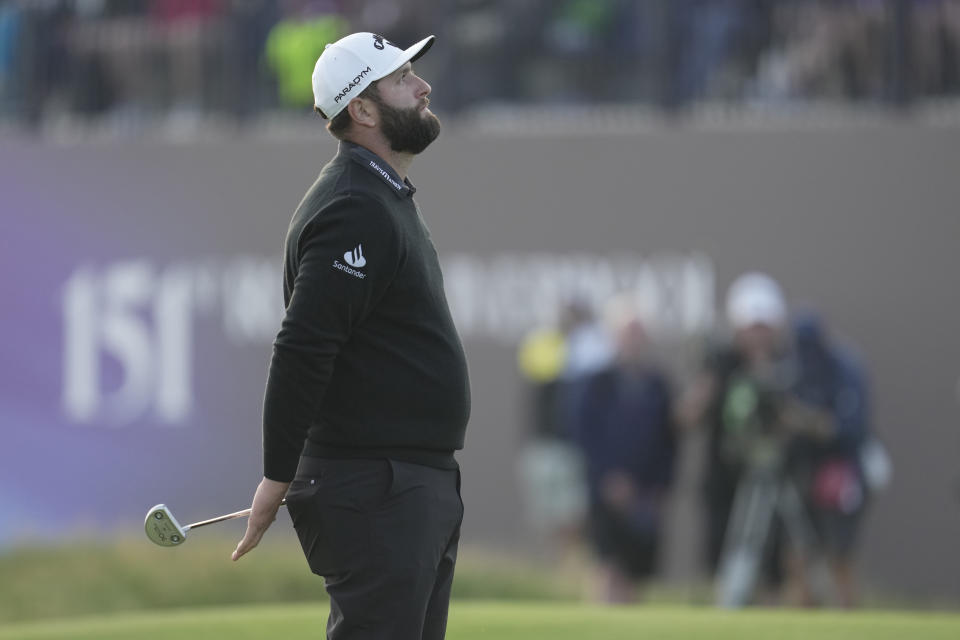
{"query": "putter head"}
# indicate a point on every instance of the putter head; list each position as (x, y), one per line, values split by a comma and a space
(162, 528)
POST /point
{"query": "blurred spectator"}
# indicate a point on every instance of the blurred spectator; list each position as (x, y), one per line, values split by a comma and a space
(706, 35)
(623, 424)
(936, 47)
(10, 25)
(556, 362)
(755, 360)
(589, 347)
(832, 379)
(40, 56)
(250, 22)
(191, 38)
(825, 50)
(292, 49)
(551, 469)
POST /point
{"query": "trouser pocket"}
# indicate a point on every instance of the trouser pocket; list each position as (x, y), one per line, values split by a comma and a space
(330, 508)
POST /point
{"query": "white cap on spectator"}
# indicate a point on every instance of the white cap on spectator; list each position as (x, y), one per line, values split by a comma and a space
(755, 298)
(349, 65)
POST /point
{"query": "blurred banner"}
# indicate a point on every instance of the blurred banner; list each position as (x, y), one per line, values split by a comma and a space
(141, 293)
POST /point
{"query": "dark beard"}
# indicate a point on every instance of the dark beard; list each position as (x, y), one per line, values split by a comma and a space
(408, 130)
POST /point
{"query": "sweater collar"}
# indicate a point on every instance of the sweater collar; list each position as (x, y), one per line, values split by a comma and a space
(378, 167)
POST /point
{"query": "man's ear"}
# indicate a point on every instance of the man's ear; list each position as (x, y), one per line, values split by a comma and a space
(363, 112)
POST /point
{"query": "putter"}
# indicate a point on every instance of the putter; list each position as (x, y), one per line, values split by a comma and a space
(163, 529)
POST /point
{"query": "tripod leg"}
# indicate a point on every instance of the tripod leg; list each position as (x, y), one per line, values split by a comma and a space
(749, 529)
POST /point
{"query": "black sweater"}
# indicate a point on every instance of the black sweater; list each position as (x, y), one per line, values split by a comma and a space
(367, 362)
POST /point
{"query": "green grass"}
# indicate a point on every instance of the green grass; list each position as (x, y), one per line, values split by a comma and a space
(471, 620)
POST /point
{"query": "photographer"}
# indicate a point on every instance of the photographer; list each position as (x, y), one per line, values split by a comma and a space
(738, 398)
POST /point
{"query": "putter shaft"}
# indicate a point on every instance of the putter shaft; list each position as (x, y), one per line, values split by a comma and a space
(229, 516)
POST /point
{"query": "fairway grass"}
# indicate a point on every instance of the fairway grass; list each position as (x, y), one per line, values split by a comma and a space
(511, 621)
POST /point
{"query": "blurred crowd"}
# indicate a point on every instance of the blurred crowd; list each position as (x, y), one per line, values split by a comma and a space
(791, 460)
(135, 60)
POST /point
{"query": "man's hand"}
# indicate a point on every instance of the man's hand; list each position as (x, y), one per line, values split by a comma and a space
(618, 490)
(263, 512)
(802, 419)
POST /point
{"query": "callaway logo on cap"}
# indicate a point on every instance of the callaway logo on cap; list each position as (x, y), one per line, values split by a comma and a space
(349, 65)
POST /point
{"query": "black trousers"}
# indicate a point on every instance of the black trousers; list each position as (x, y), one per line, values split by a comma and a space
(383, 534)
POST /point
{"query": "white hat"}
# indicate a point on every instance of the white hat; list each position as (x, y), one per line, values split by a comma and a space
(755, 298)
(349, 65)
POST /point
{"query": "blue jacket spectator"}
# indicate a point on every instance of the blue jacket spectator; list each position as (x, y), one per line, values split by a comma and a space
(623, 423)
(831, 377)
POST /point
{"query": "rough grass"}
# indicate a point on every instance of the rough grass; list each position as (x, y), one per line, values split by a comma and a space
(471, 620)
(89, 578)
(121, 581)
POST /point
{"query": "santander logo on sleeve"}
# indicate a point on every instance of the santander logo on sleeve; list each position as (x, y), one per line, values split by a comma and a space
(355, 259)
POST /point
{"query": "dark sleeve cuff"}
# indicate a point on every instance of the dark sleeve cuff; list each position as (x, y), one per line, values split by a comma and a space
(279, 468)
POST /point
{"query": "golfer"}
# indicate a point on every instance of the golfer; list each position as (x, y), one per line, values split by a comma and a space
(367, 395)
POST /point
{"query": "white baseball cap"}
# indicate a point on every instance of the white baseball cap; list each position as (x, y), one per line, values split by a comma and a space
(351, 64)
(756, 298)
